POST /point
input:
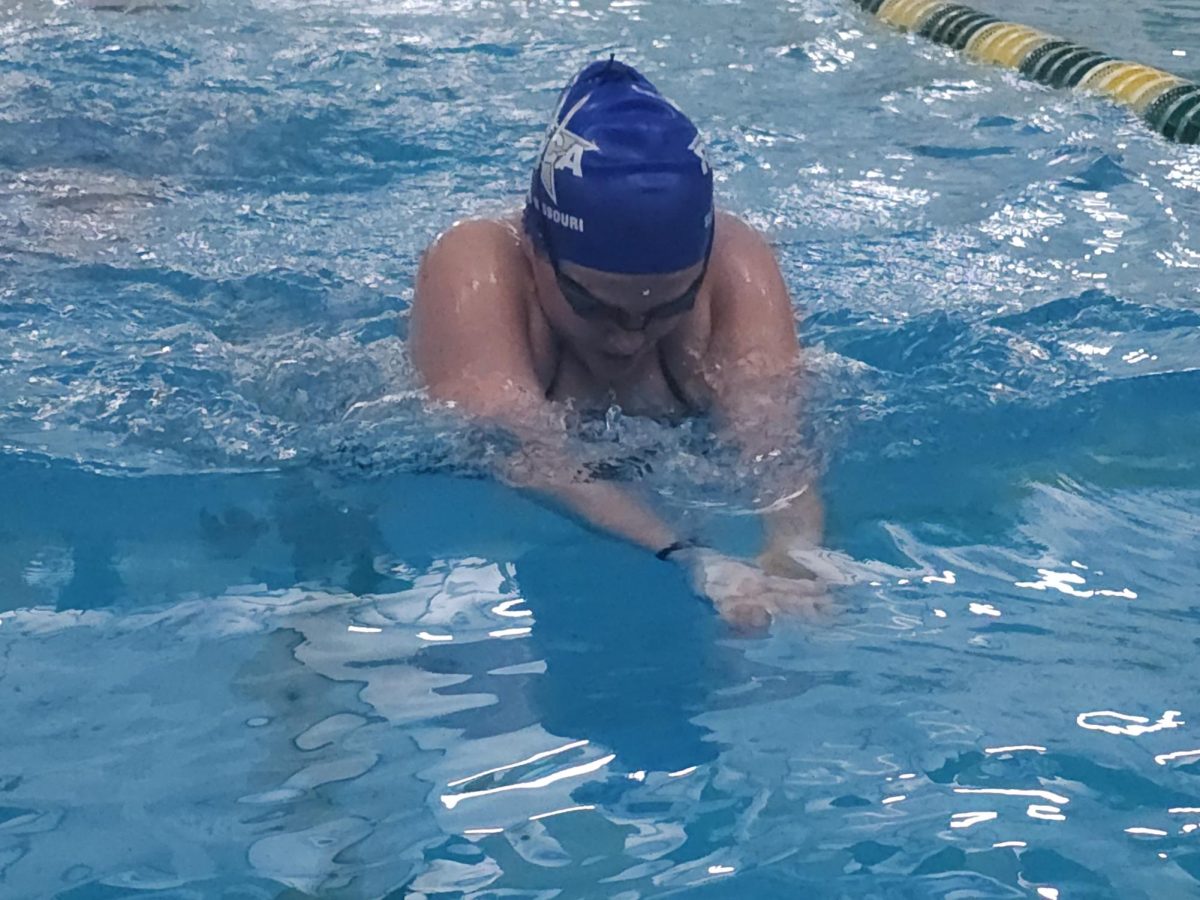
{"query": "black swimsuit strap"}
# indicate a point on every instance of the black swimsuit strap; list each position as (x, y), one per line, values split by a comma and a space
(558, 364)
(672, 383)
(559, 353)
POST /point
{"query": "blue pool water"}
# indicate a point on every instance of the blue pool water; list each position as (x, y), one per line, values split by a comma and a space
(265, 632)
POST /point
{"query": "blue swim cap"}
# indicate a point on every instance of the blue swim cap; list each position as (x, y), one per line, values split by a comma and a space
(622, 182)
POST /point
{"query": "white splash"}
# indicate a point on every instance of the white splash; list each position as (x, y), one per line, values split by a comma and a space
(1014, 792)
(452, 800)
(510, 632)
(560, 812)
(1139, 724)
(1163, 758)
(1064, 582)
(968, 819)
(947, 577)
(537, 757)
(1048, 813)
(506, 609)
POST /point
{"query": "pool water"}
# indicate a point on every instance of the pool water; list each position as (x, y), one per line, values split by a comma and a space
(267, 630)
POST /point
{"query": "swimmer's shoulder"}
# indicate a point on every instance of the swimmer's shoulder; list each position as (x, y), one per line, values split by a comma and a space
(745, 271)
(471, 303)
(472, 247)
(740, 251)
(474, 263)
(741, 270)
(751, 319)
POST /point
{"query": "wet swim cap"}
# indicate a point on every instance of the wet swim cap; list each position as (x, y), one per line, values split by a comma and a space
(622, 182)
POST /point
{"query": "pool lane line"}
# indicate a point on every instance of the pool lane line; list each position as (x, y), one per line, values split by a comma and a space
(1168, 104)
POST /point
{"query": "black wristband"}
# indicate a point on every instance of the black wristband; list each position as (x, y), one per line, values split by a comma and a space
(665, 552)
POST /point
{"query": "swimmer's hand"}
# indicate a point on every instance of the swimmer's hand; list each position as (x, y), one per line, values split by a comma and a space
(748, 597)
(803, 560)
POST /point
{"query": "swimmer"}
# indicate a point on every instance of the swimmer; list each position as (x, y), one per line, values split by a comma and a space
(620, 283)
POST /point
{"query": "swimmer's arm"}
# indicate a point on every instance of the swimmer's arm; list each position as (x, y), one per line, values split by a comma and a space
(754, 360)
(793, 514)
(609, 507)
(469, 339)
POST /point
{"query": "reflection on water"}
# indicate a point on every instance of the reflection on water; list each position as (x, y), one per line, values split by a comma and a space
(1139, 724)
(460, 725)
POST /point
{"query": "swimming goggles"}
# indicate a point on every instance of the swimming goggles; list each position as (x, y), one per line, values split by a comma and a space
(588, 306)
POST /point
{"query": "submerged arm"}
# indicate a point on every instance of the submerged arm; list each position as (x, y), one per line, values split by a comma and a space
(755, 365)
(762, 419)
(546, 465)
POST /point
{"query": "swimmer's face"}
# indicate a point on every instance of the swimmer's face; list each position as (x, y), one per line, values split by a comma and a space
(614, 316)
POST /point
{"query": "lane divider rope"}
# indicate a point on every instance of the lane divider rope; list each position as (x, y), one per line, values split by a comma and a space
(1169, 104)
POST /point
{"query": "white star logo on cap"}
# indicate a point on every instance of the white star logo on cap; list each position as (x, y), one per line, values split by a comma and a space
(563, 149)
(697, 146)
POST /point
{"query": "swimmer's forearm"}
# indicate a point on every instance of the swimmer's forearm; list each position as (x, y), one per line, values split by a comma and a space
(797, 525)
(760, 419)
(801, 515)
(793, 517)
(763, 427)
(613, 509)
(546, 466)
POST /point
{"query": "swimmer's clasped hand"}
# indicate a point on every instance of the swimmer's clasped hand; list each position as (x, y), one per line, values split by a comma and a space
(745, 595)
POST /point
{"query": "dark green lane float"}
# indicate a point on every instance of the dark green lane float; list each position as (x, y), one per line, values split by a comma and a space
(1168, 103)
